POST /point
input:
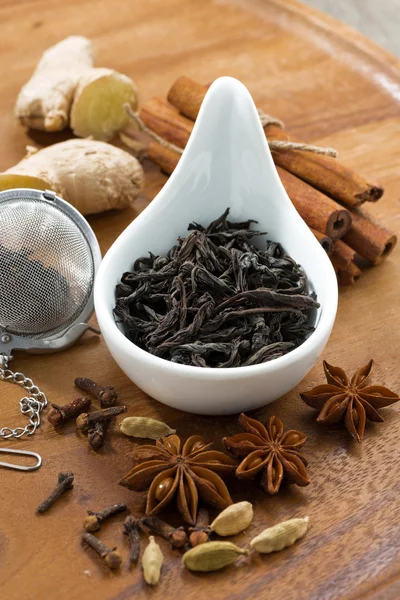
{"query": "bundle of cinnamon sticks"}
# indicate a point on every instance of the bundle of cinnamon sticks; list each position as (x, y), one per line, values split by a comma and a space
(326, 194)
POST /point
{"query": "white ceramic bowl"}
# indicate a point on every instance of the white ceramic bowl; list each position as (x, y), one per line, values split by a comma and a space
(227, 162)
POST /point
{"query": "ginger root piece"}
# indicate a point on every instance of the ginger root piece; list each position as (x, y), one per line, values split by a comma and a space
(92, 176)
(45, 101)
(66, 89)
(98, 106)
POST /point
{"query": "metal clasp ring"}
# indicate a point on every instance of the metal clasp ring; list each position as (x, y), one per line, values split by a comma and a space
(4, 361)
(22, 453)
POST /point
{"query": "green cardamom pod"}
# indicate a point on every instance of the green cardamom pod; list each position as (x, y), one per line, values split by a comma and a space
(212, 556)
(234, 519)
(152, 562)
(144, 427)
(280, 536)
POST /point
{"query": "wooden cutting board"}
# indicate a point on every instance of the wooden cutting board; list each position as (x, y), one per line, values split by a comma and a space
(332, 86)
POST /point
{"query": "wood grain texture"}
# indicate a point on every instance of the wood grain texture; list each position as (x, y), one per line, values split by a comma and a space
(332, 87)
(378, 21)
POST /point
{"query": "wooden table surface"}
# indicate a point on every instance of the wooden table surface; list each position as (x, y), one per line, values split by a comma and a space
(331, 86)
(376, 20)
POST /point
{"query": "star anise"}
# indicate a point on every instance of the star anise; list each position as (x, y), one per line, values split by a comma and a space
(349, 400)
(269, 450)
(185, 474)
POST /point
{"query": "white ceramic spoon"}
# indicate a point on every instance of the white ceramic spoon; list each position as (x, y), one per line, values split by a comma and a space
(227, 162)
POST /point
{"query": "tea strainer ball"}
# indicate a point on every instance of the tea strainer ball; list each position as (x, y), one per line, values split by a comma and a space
(49, 256)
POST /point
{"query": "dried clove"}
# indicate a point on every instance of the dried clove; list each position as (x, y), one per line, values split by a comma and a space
(97, 434)
(198, 536)
(111, 557)
(177, 537)
(200, 533)
(132, 530)
(95, 519)
(65, 482)
(61, 414)
(86, 421)
(105, 394)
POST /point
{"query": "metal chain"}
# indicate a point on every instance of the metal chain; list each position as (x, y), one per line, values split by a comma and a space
(30, 406)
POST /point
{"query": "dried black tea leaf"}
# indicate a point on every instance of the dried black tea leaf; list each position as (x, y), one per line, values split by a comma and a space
(215, 300)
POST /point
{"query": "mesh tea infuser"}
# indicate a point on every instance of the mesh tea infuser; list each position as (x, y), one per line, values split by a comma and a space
(48, 259)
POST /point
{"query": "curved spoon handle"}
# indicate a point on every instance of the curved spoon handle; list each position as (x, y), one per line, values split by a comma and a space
(22, 453)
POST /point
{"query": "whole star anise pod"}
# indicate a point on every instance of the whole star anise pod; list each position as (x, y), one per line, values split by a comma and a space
(270, 451)
(185, 474)
(349, 400)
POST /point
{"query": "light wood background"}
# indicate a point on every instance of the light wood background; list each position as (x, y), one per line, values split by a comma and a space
(332, 87)
(377, 20)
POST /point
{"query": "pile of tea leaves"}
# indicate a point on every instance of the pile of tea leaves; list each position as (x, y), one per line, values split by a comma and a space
(215, 300)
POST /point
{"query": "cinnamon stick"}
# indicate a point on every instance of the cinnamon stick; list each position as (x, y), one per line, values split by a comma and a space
(163, 118)
(136, 144)
(165, 158)
(187, 95)
(324, 240)
(349, 275)
(342, 254)
(317, 210)
(323, 172)
(368, 239)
